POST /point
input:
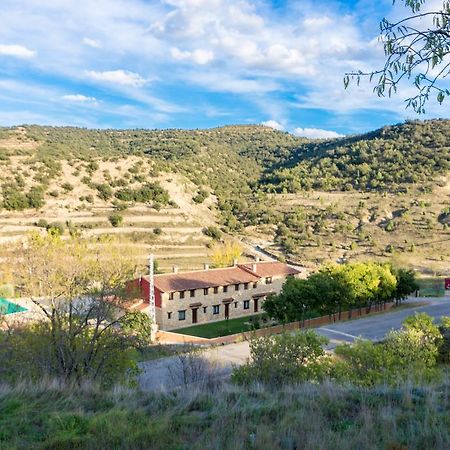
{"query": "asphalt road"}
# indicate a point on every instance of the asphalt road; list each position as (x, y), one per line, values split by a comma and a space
(156, 374)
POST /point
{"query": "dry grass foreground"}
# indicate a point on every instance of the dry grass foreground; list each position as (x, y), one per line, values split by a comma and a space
(224, 417)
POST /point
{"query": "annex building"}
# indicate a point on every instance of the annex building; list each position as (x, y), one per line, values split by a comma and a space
(186, 298)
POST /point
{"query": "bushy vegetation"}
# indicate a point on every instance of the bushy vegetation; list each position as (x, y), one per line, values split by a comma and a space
(149, 192)
(387, 159)
(413, 354)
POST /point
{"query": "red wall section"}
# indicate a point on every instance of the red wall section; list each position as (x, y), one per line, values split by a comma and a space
(145, 292)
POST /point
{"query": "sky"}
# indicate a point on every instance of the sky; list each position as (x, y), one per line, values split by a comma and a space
(196, 64)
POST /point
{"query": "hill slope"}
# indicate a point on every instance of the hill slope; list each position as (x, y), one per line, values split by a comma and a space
(383, 194)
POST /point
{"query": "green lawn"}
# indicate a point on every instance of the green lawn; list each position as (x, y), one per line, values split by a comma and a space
(431, 287)
(216, 329)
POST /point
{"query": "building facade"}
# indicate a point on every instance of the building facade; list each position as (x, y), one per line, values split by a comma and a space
(188, 298)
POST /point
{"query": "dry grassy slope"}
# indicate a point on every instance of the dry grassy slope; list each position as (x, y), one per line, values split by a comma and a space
(418, 240)
(181, 241)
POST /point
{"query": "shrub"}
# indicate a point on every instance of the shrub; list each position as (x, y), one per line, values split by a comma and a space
(284, 358)
(212, 232)
(116, 220)
(67, 187)
(201, 196)
(55, 228)
(138, 326)
(35, 197)
(42, 223)
(104, 191)
(14, 200)
(157, 231)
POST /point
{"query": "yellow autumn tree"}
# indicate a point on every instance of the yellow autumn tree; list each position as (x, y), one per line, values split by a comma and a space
(223, 255)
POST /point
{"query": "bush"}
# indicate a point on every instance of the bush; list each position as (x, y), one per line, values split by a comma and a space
(157, 231)
(115, 220)
(201, 196)
(104, 191)
(56, 228)
(42, 223)
(212, 232)
(406, 355)
(35, 197)
(67, 187)
(285, 358)
(138, 326)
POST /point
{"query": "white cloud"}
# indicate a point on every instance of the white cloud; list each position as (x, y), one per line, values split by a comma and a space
(79, 98)
(199, 56)
(121, 77)
(316, 133)
(92, 43)
(273, 124)
(19, 51)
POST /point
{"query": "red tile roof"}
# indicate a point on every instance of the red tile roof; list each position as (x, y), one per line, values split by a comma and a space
(201, 279)
(271, 269)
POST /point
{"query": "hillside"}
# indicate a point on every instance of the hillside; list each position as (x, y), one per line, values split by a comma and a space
(393, 159)
(383, 194)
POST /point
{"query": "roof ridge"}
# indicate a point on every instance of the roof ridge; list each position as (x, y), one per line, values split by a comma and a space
(199, 270)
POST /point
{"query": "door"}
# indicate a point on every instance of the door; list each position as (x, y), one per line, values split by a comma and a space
(256, 304)
(227, 310)
(194, 315)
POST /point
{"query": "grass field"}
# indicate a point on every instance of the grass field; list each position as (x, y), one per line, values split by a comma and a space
(325, 416)
(216, 329)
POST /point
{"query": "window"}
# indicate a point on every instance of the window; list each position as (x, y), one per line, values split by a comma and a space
(236, 287)
(268, 280)
(170, 295)
(235, 304)
(216, 309)
(182, 294)
(169, 315)
(225, 289)
(245, 286)
(182, 315)
(255, 285)
(204, 309)
(205, 291)
(192, 292)
(246, 304)
(216, 290)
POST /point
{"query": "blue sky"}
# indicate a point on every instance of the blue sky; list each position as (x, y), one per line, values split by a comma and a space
(195, 64)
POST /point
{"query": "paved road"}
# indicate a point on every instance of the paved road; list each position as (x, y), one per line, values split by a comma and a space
(155, 374)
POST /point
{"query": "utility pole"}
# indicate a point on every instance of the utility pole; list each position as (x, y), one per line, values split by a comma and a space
(151, 293)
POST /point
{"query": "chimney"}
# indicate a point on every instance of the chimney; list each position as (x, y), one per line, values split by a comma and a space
(254, 267)
(257, 259)
(235, 262)
(174, 269)
(205, 266)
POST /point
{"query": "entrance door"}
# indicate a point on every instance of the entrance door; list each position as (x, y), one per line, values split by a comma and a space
(194, 315)
(255, 304)
(227, 310)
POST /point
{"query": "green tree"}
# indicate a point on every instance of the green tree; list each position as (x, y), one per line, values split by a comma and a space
(80, 289)
(406, 284)
(416, 48)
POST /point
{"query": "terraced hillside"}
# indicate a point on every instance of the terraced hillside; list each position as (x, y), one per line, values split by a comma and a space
(385, 194)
